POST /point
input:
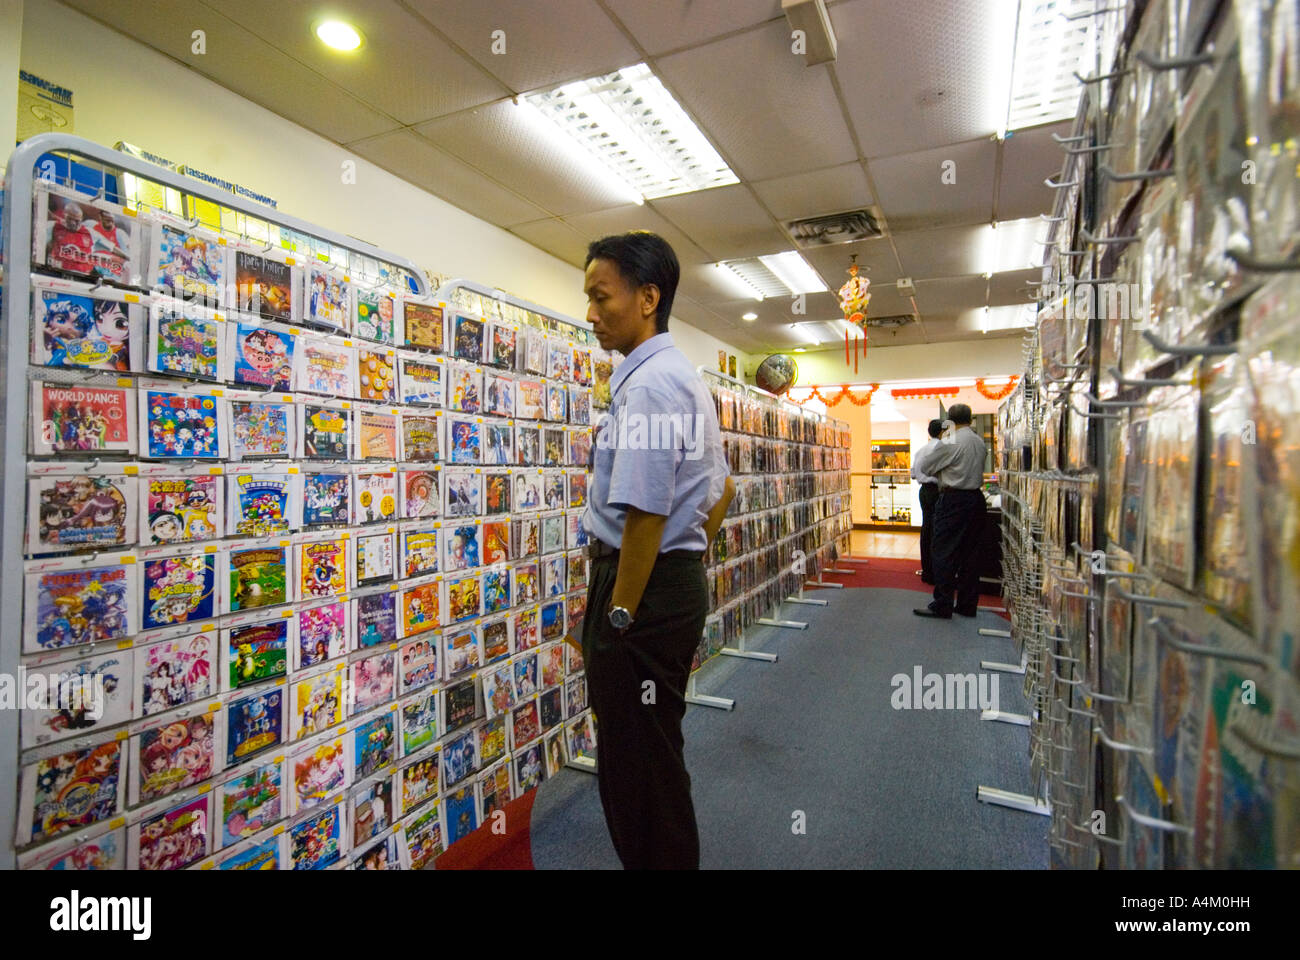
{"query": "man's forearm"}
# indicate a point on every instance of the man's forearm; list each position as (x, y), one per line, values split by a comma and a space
(719, 511)
(642, 534)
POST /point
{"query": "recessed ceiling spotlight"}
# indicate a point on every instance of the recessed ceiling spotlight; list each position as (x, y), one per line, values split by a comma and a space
(749, 316)
(338, 35)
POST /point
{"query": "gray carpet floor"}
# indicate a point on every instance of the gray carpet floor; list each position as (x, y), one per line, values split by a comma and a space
(816, 733)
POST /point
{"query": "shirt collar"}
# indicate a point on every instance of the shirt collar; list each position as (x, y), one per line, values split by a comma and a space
(660, 341)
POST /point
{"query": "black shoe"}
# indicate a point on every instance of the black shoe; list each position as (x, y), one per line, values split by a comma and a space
(965, 614)
(927, 612)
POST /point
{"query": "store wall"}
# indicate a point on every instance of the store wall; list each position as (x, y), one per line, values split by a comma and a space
(154, 102)
(859, 421)
(11, 33)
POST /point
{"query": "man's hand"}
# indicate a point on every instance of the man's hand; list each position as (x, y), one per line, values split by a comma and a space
(718, 512)
(642, 534)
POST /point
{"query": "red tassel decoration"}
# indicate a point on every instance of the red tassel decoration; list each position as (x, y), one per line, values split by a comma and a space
(846, 346)
(855, 356)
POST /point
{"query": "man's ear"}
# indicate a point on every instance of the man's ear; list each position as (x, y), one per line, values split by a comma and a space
(649, 300)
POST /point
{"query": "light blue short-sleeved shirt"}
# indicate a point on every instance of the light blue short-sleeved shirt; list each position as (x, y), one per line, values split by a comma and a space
(657, 448)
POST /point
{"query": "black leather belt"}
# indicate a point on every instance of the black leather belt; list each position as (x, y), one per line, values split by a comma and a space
(943, 489)
(599, 550)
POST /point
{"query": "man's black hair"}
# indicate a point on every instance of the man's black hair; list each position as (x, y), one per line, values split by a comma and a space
(959, 413)
(642, 258)
(936, 428)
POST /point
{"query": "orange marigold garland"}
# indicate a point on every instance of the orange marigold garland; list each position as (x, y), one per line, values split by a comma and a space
(835, 398)
(999, 393)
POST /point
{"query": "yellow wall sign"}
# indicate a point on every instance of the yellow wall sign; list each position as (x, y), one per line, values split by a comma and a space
(43, 107)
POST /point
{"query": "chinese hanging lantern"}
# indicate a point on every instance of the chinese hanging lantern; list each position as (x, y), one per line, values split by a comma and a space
(854, 297)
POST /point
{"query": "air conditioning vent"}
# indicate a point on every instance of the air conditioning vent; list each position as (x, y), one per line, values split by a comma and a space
(836, 228)
(890, 323)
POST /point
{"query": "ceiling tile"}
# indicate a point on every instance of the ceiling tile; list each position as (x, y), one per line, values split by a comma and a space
(900, 337)
(1028, 158)
(966, 326)
(943, 252)
(768, 113)
(545, 44)
(403, 68)
(670, 24)
(602, 223)
(875, 256)
(702, 318)
(946, 186)
(506, 145)
(727, 222)
(818, 192)
(555, 237)
(420, 162)
(950, 294)
(239, 60)
(915, 75)
(1012, 287)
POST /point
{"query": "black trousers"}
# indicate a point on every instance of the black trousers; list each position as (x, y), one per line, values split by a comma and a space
(929, 496)
(636, 683)
(958, 523)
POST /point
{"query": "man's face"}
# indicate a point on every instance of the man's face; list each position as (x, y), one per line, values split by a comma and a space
(617, 311)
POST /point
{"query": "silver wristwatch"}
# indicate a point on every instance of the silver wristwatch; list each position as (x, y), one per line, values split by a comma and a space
(619, 618)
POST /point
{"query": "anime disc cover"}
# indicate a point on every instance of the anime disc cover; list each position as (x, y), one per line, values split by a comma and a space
(82, 419)
(79, 697)
(181, 589)
(172, 673)
(70, 513)
(84, 327)
(181, 509)
(250, 802)
(71, 790)
(85, 604)
(261, 504)
(180, 425)
(260, 428)
(185, 342)
(173, 757)
(264, 357)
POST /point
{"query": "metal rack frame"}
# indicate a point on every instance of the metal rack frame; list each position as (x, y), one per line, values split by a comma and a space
(17, 257)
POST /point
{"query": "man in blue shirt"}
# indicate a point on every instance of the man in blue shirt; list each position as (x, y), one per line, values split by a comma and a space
(660, 488)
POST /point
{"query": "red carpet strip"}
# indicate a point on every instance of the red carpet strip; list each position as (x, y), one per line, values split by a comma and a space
(891, 574)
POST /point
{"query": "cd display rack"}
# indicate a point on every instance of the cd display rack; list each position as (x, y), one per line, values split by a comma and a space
(1149, 454)
(302, 541)
(789, 519)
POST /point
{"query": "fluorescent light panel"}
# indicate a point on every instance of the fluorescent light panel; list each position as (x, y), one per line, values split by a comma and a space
(1049, 49)
(819, 332)
(794, 272)
(777, 275)
(745, 284)
(637, 131)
